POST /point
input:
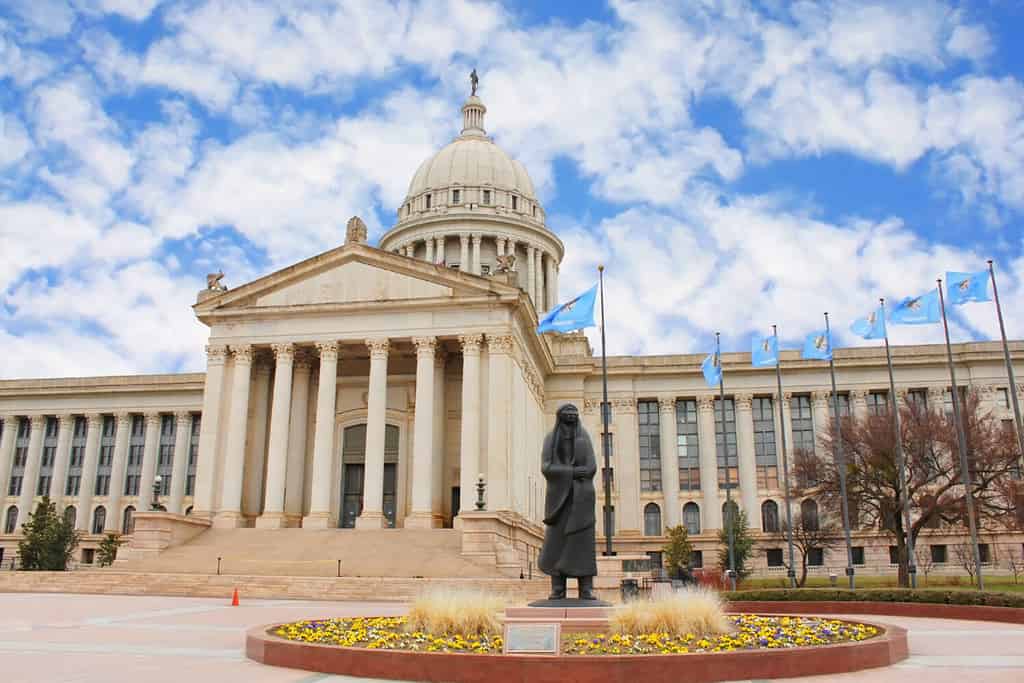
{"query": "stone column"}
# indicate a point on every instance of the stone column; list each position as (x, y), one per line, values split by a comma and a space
(539, 287)
(179, 468)
(277, 448)
(552, 296)
(295, 476)
(821, 402)
(206, 467)
(499, 402)
(230, 513)
(256, 449)
(499, 245)
(150, 453)
(531, 274)
(628, 510)
(7, 442)
(440, 258)
(422, 515)
(477, 238)
(747, 461)
(464, 252)
(440, 423)
(469, 443)
(669, 460)
(117, 465)
(372, 516)
(554, 286)
(430, 250)
(60, 461)
(787, 424)
(410, 250)
(859, 403)
(94, 425)
(711, 510)
(30, 478)
(323, 438)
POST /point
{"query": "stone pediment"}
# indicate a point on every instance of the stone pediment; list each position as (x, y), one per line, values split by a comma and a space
(353, 274)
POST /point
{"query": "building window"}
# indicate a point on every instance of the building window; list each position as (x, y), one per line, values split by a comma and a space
(70, 515)
(650, 440)
(1004, 397)
(49, 455)
(764, 444)
(809, 515)
(533, 209)
(485, 269)
(165, 460)
(803, 423)
(77, 457)
(773, 557)
(11, 520)
(99, 519)
(429, 198)
(487, 197)
(136, 450)
(691, 518)
(697, 559)
(815, 557)
(726, 452)
(193, 456)
(938, 554)
(687, 445)
(985, 553)
(106, 456)
(20, 457)
(858, 554)
(652, 520)
(844, 405)
(878, 403)
(515, 203)
(128, 524)
(918, 398)
(770, 517)
(894, 555)
(456, 196)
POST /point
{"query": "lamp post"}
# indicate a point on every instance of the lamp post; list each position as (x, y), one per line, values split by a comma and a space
(155, 505)
(480, 486)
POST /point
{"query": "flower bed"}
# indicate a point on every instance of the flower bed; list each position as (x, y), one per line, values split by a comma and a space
(752, 632)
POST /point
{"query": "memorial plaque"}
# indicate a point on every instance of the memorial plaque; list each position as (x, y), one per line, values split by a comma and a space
(532, 639)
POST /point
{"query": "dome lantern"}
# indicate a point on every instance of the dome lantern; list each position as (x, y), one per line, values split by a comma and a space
(473, 117)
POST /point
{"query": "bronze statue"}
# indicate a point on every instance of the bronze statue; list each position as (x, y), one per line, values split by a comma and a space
(569, 466)
(473, 80)
(213, 283)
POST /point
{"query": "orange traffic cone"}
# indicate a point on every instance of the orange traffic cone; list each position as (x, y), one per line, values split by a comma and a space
(234, 599)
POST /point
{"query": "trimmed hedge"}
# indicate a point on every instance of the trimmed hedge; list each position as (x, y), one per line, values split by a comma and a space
(942, 597)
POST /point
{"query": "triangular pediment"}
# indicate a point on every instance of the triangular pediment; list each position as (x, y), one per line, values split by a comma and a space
(353, 274)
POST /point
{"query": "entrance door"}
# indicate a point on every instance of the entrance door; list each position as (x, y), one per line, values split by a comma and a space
(390, 491)
(456, 497)
(352, 496)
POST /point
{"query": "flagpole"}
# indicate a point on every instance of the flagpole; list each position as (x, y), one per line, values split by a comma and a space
(900, 466)
(606, 445)
(840, 462)
(965, 473)
(730, 522)
(1009, 365)
(791, 571)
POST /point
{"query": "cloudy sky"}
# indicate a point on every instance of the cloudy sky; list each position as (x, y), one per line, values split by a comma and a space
(734, 164)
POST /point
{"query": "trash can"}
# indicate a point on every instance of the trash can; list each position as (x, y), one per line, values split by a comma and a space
(630, 589)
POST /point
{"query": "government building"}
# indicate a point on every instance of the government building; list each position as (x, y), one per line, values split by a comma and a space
(404, 386)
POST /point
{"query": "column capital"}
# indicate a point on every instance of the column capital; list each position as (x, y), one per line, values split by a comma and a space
(378, 347)
(667, 403)
(499, 343)
(327, 350)
(626, 406)
(152, 418)
(243, 353)
(123, 417)
(901, 392)
(216, 354)
(464, 237)
(183, 416)
(531, 249)
(706, 402)
(94, 421)
(283, 353)
(859, 395)
(37, 421)
(8, 418)
(743, 401)
(471, 343)
(787, 396)
(820, 396)
(66, 420)
(425, 346)
(477, 236)
(936, 390)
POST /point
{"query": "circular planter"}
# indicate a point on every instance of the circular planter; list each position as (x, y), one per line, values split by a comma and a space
(889, 647)
(1006, 615)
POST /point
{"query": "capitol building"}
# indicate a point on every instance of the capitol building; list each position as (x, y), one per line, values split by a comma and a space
(404, 386)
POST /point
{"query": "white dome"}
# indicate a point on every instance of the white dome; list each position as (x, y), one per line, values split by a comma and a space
(472, 161)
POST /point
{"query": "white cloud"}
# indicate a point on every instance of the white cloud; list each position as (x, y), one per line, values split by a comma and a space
(970, 42)
(136, 10)
(14, 140)
(43, 18)
(37, 235)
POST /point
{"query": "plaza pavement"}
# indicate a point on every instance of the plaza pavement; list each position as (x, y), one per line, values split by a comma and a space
(91, 639)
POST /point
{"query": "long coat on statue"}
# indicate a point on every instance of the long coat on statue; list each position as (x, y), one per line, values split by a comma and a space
(569, 467)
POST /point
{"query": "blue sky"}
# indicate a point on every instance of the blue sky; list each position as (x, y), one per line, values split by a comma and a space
(734, 164)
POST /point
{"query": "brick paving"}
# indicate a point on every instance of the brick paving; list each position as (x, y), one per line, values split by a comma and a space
(91, 638)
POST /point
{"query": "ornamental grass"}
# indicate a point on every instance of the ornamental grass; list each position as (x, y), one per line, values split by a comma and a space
(456, 611)
(696, 611)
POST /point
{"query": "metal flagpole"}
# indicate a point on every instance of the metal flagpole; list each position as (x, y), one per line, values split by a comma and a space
(840, 462)
(791, 572)
(900, 466)
(965, 473)
(606, 445)
(1009, 365)
(730, 522)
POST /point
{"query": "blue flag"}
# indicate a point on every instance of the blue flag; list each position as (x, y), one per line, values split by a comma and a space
(572, 315)
(917, 310)
(818, 345)
(712, 369)
(764, 351)
(965, 287)
(871, 326)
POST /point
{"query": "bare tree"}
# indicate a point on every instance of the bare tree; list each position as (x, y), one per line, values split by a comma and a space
(1015, 563)
(809, 535)
(964, 554)
(925, 563)
(934, 486)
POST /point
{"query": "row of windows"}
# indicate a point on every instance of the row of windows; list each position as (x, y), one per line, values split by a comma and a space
(456, 198)
(99, 518)
(105, 459)
(769, 516)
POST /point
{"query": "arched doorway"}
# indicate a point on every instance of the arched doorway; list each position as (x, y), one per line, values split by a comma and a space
(353, 459)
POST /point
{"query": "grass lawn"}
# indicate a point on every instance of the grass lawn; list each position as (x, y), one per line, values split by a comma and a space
(1000, 583)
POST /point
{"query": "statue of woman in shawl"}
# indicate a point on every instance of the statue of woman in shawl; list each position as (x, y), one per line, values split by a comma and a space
(569, 467)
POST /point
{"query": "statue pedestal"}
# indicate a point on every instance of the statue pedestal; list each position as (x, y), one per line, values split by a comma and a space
(570, 603)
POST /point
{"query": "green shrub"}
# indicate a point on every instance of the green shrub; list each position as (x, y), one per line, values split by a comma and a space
(930, 596)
